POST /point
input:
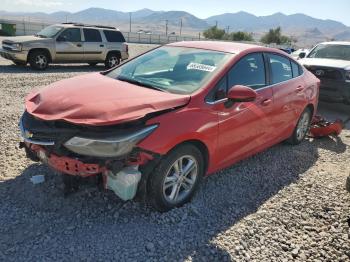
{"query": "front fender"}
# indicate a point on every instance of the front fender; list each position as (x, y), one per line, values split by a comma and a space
(179, 126)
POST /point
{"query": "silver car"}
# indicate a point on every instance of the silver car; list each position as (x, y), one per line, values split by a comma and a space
(67, 43)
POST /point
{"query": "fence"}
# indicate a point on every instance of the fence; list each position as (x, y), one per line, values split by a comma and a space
(31, 27)
(25, 27)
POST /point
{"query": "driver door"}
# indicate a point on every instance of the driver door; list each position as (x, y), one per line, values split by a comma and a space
(244, 127)
(69, 47)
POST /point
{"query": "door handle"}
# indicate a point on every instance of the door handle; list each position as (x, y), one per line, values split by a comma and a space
(101, 45)
(78, 45)
(266, 102)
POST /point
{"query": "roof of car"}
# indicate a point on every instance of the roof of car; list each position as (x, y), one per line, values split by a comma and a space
(228, 47)
(336, 43)
(71, 24)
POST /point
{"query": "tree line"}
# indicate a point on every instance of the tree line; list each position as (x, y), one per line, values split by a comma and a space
(273, 36)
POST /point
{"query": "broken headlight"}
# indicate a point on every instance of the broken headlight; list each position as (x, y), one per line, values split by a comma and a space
(108, 147)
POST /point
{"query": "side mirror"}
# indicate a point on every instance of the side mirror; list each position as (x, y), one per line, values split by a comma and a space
(239, 93)
(302, 55)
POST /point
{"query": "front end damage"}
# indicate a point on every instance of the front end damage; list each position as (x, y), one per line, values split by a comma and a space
(84, 151)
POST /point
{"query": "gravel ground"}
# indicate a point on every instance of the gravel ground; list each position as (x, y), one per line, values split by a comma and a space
(287, 203)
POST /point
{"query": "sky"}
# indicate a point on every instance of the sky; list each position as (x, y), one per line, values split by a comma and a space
(338, 10)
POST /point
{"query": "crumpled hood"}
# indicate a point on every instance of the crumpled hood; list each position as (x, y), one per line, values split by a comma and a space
(343, 64)
(94, 99)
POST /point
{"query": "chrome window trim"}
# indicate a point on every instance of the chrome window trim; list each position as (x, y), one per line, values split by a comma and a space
(217, 101)
(261, 88)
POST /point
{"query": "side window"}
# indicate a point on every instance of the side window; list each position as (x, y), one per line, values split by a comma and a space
(281, 69)
(249, 71)
(295, 69)
(70, 35)
(218, 92)
(114, 36)
(92, 35)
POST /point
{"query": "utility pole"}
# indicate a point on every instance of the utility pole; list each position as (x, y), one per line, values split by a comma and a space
(130, 22)
(66, 19)
(180, 26)
(216, 23)
(228, 29)
(166, 27)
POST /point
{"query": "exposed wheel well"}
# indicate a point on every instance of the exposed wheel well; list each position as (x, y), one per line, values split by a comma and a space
(202, 147)
(40, 49)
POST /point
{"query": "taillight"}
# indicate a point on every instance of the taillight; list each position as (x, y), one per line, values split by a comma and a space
(126, 48)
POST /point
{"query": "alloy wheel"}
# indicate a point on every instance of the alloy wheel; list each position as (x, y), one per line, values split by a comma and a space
(303, 126)
(113, 61)
(41, 61)
(180, 179)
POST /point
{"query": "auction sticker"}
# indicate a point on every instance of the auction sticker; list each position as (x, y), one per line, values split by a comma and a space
(201, 67)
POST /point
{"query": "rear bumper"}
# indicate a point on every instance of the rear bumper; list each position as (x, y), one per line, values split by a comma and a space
(335, 91)
(14, 56)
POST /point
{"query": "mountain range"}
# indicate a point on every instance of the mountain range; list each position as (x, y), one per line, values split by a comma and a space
(307, 30)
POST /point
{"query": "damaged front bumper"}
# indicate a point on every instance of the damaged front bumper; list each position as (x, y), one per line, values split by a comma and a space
(44, 142)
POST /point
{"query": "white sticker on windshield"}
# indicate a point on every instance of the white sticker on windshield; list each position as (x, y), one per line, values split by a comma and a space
(201, 67)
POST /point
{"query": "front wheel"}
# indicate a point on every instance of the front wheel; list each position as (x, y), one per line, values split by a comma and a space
(302, 128)
(175, 180)
(39, 60)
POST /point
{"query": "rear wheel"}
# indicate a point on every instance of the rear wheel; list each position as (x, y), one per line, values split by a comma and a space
(38, 60)
(302, 128)
(176, 178)
(112, 60)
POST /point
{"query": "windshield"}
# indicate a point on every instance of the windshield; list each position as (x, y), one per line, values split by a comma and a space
(176, 70)
(49, 32)
(340, 52)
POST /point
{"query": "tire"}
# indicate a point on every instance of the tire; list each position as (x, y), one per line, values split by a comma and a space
(112, 60)
(166, 188)
(347, 184)
(302, 128)
(93, 64)
(39, 60)
(20, 63)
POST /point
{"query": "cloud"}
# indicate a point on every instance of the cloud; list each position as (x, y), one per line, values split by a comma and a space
(41, 3)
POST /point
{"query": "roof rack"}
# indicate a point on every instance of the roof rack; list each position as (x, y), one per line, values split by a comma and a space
(87, 25)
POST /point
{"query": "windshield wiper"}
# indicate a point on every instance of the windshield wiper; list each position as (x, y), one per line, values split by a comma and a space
(139, 83)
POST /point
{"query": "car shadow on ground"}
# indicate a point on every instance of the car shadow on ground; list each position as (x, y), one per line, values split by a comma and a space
(40, 213)
(53, 68)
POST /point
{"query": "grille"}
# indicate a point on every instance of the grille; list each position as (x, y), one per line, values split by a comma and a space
(6, 45)
(326, 73)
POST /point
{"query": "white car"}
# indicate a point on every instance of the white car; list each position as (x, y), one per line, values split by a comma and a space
(300, 53)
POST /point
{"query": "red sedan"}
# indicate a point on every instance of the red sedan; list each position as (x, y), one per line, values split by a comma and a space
(157, 124)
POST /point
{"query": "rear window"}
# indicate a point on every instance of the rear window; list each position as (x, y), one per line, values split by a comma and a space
(114, 36)
(92, 35)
